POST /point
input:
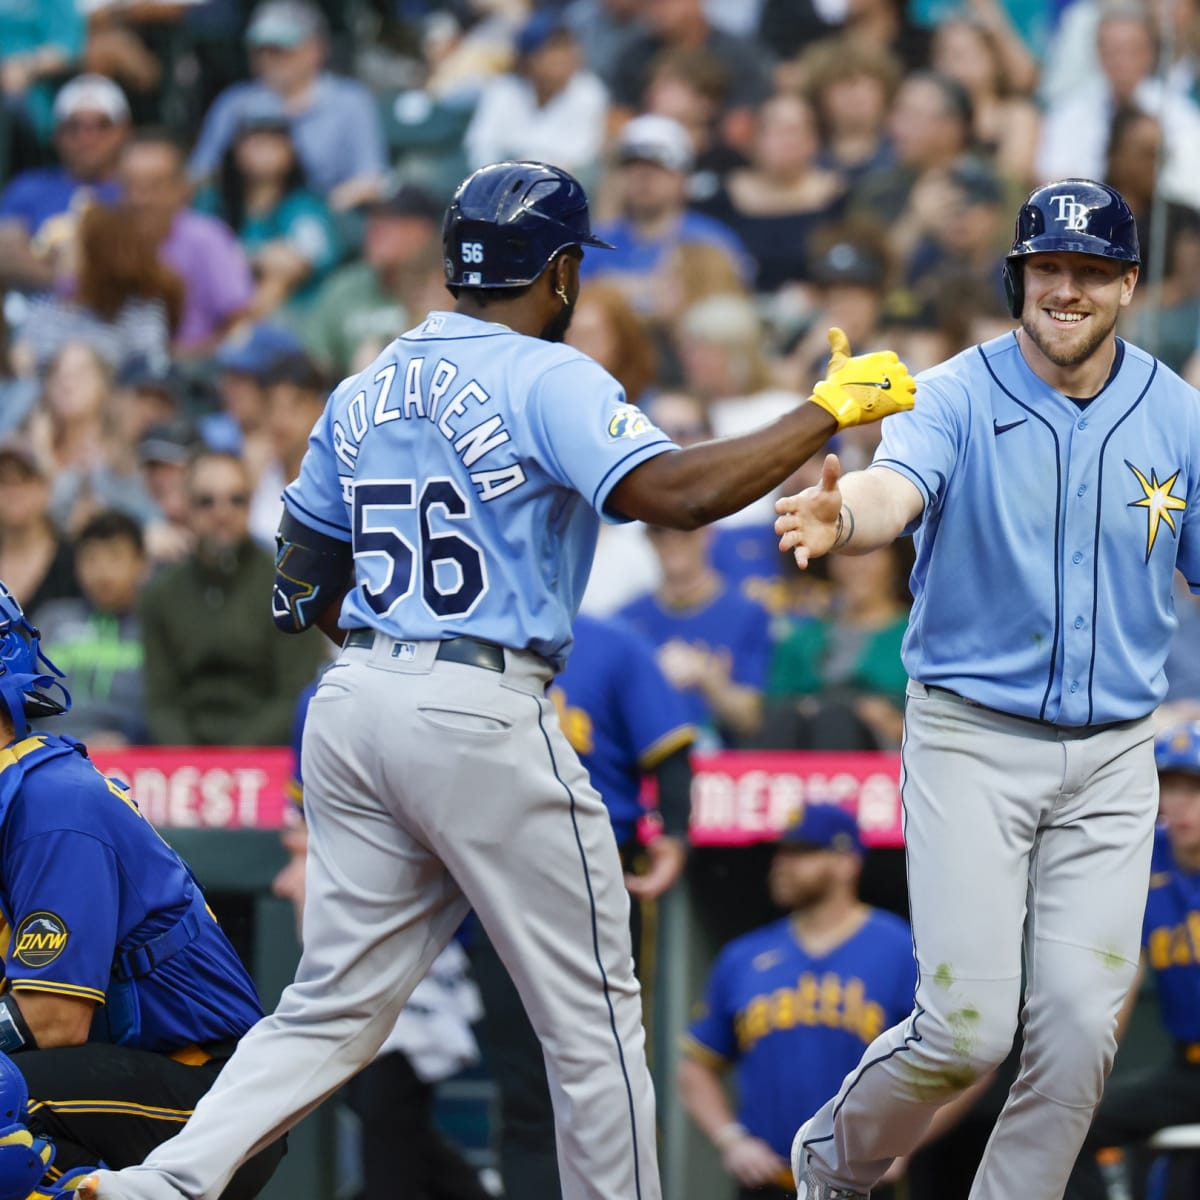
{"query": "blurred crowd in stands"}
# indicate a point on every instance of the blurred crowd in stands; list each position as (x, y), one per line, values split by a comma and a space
(211, 213)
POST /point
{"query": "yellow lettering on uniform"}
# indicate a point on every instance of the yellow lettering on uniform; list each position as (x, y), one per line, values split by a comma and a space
(757, 1022)
(871, 1025)
(784, 1009)
(40, 941)
(1193, 925)
(575, 722)
(806, 999)
(1160, 951)
(1181, 953)
(831, 1000)
(852, 1006)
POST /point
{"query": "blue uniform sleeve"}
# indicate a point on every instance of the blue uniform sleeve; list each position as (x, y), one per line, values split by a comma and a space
(712, 1035)
(315, 496)
(924, 444)
(63, 934)
(588, 436)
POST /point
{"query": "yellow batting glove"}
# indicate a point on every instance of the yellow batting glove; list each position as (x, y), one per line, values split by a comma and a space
(859, 390)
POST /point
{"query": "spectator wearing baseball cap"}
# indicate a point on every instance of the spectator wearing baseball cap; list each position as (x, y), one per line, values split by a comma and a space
(242, 361)
(653, 157)
(163, 452)
(39, 206)
(826, 827)
(850, 268)
(334, 120)
(366, 303)
(549, 108)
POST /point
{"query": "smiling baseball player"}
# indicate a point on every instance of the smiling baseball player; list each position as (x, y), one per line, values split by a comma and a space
(1051, 478)
(455, 487)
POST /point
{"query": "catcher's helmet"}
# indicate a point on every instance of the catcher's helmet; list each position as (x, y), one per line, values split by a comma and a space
(508, 220)
(1076, 215)
(25, 671)
(1178, 748)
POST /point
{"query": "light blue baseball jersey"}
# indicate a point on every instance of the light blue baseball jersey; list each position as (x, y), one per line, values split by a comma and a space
(1050, 534)
(469, 467)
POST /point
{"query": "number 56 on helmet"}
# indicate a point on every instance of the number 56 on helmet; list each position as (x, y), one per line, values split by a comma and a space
(508, 220)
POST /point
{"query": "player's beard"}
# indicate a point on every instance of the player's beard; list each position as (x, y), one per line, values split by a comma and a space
(1077, 354)
(796, 894)
(556, 328)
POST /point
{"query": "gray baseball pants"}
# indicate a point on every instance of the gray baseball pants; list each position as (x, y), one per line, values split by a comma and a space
(1020, 837)
(431, 788)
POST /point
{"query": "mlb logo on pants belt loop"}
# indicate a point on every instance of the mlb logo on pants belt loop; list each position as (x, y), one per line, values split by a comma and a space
(404, 651)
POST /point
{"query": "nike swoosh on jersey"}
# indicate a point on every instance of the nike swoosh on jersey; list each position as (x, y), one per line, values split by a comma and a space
(998, 429)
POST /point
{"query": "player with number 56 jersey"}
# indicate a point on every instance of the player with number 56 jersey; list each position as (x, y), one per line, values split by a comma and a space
(442, 528)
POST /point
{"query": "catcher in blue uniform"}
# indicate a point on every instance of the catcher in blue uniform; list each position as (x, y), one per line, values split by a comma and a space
(121, 995)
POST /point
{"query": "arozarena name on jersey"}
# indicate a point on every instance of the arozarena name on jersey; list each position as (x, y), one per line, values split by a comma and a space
(423, 396)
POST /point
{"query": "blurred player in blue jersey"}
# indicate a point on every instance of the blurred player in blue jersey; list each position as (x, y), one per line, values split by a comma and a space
(793, 1005)
(1051, 481)
(626, 722)
(442, 529)
(122, 997)
(1140, 1103)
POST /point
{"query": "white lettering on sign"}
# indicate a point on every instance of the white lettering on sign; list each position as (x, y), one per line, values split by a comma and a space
(190, 797)
(731, 807)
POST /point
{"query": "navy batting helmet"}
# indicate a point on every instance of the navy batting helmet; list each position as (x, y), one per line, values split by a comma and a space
(508, 220)
(1075, 215)
(25, 671)
(1178, 748)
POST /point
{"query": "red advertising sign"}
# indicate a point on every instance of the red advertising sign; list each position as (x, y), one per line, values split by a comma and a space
(204, 787)
(738, 797)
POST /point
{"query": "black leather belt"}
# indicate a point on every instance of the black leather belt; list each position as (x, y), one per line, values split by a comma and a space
(958, 696)
(469, 651)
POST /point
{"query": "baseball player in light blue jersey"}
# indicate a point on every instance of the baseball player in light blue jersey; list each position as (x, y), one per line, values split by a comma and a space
(1051, 480)
(442, 528)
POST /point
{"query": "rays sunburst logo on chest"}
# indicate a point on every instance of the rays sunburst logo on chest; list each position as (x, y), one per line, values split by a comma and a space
(1159, 501)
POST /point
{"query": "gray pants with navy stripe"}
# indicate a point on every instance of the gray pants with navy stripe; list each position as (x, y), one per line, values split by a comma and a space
(1021, 839)
(430, 788)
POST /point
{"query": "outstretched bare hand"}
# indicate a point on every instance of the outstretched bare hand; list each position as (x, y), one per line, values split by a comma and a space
(808, 521)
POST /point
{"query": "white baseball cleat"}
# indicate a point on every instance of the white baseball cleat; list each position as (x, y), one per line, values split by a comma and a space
(808, 1186)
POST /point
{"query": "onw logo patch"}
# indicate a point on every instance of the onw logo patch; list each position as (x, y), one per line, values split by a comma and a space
(40, 938)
